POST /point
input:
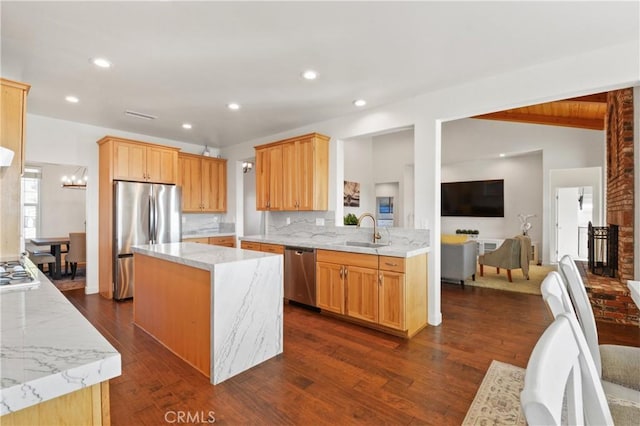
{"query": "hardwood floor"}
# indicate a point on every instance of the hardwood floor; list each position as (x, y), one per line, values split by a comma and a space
(333, 372)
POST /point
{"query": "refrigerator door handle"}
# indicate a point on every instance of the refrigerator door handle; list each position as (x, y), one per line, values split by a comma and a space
(152, 216)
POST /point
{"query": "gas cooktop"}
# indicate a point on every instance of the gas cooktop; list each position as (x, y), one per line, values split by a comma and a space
(16, 274)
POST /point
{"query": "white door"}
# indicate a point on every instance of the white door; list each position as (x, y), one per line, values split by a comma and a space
(567, 232)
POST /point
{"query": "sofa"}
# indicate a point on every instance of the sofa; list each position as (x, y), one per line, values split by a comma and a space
(458, 260)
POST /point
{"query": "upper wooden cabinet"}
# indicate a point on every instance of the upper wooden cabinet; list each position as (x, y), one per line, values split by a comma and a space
(12, 125)
(293, 174)
(204, 183)
(142, 162)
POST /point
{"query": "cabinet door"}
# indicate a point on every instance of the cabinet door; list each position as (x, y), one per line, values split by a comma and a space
(329, 287)
(392, 300)
(361, 288)
(248, 245)
(223, 241)
(161, 165)
(290, 176)
(275, 178)
(189, 178)
(262, 179)
(221, 195)
(209, 184)
(305, 175)
(129, 161)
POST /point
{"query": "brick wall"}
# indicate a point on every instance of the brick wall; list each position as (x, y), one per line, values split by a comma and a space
(620, 197)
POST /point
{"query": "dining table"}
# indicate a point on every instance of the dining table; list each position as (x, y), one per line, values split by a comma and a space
(56, 244)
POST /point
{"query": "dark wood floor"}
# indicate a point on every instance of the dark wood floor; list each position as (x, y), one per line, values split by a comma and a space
(333, 372)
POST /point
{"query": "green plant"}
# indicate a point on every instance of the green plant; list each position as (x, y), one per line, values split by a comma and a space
(350, 219)
(467, 231)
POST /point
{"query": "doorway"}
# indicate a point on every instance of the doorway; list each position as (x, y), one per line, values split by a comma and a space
(574, 211)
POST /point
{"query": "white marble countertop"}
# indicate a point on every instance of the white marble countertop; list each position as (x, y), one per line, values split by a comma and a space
(396, 250)
(634, 287)
(209, 234)
(202, 256)
(48, 348)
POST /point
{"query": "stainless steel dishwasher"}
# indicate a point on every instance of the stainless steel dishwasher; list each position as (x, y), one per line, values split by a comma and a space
(300, 275)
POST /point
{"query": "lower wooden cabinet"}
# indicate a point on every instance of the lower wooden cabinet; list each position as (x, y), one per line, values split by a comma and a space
(227, 241)
(267, 248)
(383, 291)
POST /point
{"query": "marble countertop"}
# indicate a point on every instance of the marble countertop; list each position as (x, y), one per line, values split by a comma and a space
(396, 250)
(209, 234)
(202, 256)
(48, 348)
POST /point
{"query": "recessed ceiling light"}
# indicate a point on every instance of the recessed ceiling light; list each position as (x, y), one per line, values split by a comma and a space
(72, 99)
(234, 106)
(186, 126)
(502, 154)
(310, 75)
(359, 102)
(101, 62)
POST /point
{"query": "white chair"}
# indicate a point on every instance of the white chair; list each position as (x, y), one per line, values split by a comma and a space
(614, 363)
(561, 361)
(624, 402)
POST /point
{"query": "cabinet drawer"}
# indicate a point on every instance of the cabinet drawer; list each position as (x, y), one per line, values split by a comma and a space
(248, 245)
(203, 240)
(272, 248)
(223, 241)
(390, 263)
(346, 258)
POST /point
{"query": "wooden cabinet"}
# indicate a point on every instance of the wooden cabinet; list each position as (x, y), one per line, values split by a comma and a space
(12, 136)
(389, 293)
(293, 174)
(347, 283)
(130, 160)
(269, 178)
(142, 162)
(264, 247)
(226, 241)
(204, 183)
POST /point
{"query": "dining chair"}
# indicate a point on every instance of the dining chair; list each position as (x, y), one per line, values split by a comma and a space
(614, 363)
(77, 251)
(561, 366)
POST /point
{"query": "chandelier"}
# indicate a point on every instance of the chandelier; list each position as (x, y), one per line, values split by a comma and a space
(76, 181)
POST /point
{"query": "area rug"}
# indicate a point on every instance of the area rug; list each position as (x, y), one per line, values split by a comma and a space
(520, 284)
(66, 283)
(497, 401)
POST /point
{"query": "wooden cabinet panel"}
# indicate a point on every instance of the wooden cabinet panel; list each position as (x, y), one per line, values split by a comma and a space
(248, 245)
(12, 136)
(390, 263)
(330, 287)
(161, 165)
(201, 240)
(293, 174)
(391, 300)
(272, 248)
(204, 183)
(361, 288)
(129, 161)
(223, 241)
(345, 258)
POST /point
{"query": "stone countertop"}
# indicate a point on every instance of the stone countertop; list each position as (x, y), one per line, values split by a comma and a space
(48, 348)
(634, 289)
(401, 249)
(202, 256)
(209, 234)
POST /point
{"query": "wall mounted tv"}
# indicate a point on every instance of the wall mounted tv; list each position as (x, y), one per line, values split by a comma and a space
(479, 198)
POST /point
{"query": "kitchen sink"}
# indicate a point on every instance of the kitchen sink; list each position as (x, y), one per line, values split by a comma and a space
(364, 244)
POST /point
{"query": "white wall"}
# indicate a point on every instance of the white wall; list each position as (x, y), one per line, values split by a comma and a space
(49, 140)
(358, 167)
(252, 219)
(522, 176)
(62, 210)
(566, 77)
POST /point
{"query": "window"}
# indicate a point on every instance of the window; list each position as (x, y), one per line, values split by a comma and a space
(31, 202)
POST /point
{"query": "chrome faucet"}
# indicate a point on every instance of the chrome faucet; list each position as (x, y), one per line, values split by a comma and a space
(376, 235)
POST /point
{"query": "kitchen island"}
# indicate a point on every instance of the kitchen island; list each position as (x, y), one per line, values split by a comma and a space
(55, 366)
(220, 309)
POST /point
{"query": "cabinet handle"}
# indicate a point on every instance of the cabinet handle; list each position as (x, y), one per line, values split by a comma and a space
(390, 264)
(346, 271)
(380, 278)
(342, 272)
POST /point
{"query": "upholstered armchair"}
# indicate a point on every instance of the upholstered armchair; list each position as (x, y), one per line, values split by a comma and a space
(514, 253)
(77, 251)
(458, 261)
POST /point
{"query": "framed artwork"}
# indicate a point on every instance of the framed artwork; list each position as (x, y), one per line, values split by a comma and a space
(351, 194)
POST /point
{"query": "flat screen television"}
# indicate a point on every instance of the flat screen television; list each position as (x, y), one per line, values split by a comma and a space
(478, 198)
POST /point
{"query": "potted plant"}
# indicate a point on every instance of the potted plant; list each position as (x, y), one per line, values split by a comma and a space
(350, 219)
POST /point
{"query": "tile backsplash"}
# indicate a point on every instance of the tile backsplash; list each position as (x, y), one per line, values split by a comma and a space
(199, 223)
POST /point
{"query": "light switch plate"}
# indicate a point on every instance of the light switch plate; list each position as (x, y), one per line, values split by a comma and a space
(320, 221)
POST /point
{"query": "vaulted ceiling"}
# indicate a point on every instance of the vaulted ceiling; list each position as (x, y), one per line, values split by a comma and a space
(585, 112)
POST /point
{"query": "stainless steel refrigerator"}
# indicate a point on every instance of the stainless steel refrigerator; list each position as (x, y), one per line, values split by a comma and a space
(144, 213)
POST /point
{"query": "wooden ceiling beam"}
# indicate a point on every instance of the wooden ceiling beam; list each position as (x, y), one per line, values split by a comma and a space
(583, 123)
